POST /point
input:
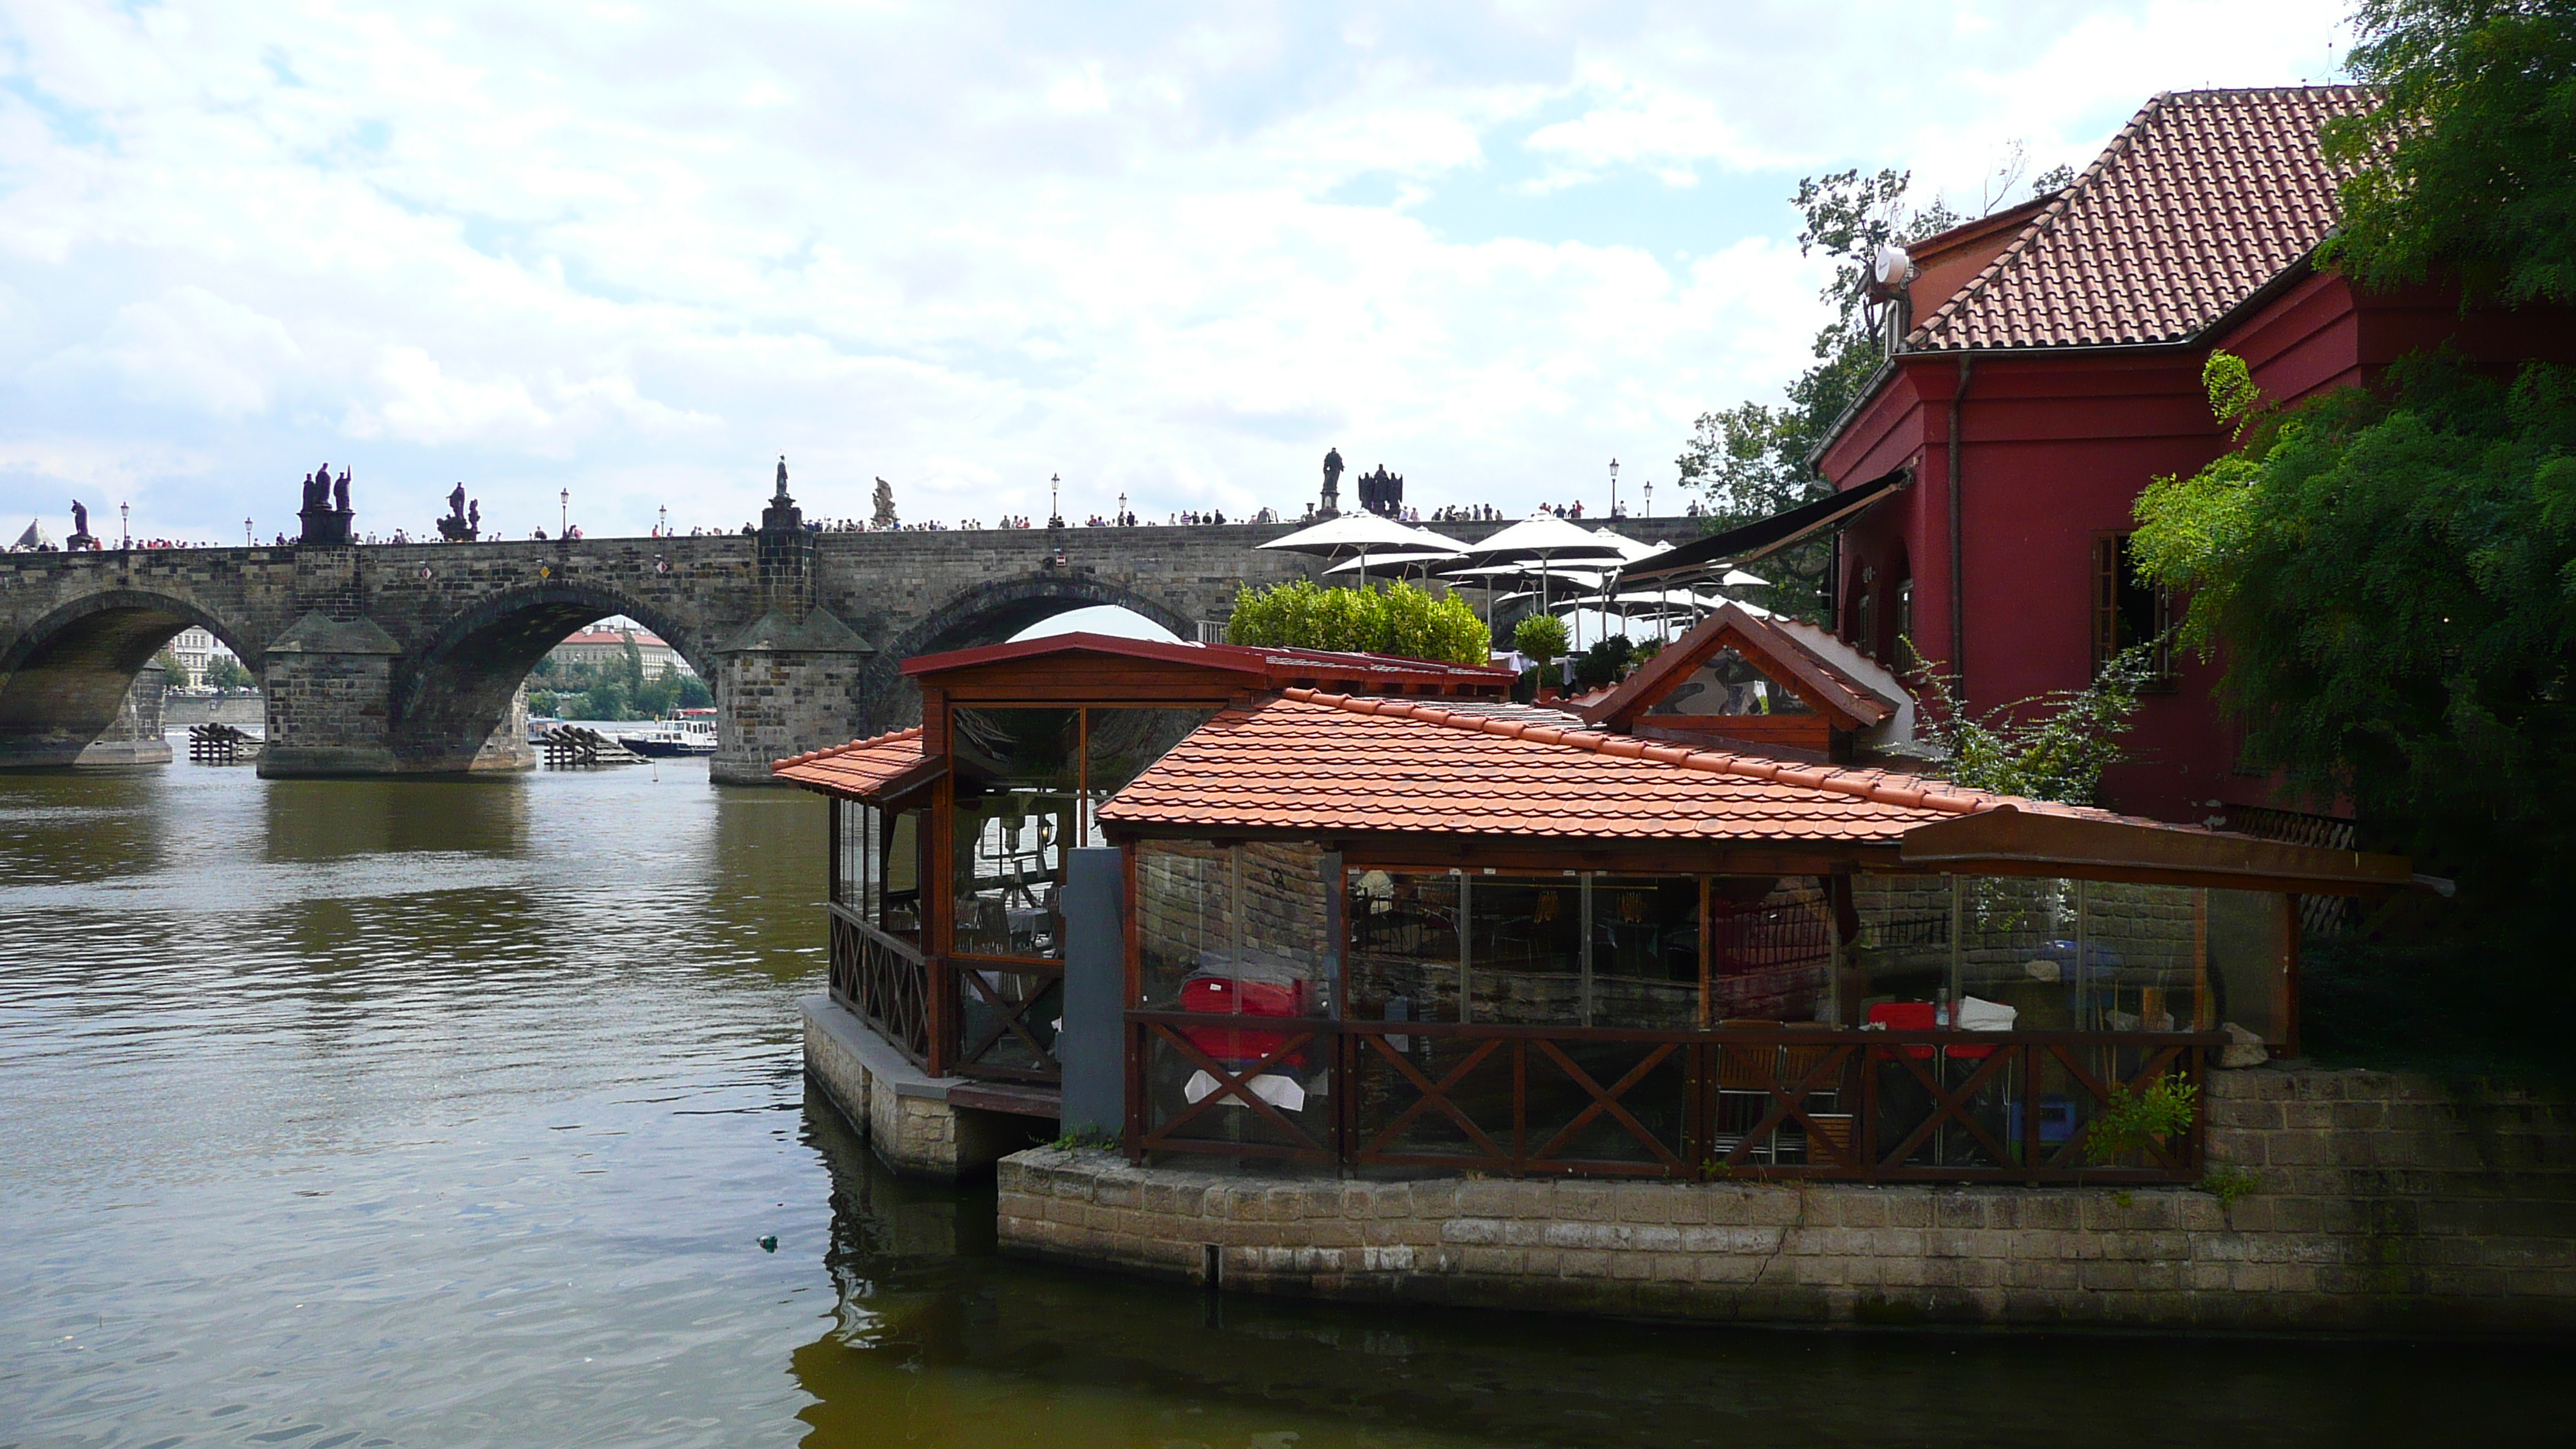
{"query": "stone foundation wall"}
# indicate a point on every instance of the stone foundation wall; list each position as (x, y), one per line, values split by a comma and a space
(2380, 1203)
(905, 1115)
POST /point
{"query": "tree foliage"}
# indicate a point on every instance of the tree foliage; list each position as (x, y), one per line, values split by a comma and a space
(1540, 636)
(2393, 580)
(1749, 461)
(2054, 746)
(1398, 619)
(2467, 168)
(223, 671)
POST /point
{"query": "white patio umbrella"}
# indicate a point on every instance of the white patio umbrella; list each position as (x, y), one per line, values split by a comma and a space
(1393, 565)
(1364, 533)
(1545, 540)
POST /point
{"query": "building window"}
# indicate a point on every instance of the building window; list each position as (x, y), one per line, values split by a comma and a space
(2129, 610)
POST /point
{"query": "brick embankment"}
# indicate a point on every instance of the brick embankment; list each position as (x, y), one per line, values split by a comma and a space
(2381, 1203)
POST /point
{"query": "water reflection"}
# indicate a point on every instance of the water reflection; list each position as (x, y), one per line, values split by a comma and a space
(378, 1113)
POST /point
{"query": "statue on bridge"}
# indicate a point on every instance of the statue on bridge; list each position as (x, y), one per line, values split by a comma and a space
(782, 515)
(1332, 503)
(80, 541)
(324, 523)
(461, 525)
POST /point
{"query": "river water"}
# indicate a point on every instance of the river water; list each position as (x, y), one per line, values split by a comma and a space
(459, 1112)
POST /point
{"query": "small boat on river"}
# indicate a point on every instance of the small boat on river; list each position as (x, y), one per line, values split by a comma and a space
(688, 732)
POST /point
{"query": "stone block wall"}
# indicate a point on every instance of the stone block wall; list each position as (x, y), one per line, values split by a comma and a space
(2380, 1203)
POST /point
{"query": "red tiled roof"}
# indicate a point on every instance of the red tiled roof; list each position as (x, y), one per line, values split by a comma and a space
(2202, 201)
(855, 768)
(1331, 763)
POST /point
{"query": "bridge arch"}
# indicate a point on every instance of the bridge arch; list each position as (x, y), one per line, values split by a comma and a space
(989, 613)
(454, 689)
(64, 677)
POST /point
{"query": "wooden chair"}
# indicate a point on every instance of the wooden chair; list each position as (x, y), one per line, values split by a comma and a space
(1744, 1077)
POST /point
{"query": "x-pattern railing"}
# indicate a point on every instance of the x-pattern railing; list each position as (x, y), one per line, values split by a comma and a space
(1010, 1018)
(1904, 1106)
(883, 979)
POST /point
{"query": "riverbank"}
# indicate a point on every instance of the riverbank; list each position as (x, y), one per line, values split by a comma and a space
(2378, 1203)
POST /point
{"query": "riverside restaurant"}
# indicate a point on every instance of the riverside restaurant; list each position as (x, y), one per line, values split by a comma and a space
(1373, 916)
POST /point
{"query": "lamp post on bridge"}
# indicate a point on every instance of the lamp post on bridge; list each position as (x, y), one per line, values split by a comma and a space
(1650, 498)
(1614, 488)
(1121, 519)
(665, 530)
(125, 524)
(1055, 503)
(246, 538)
(563, 524)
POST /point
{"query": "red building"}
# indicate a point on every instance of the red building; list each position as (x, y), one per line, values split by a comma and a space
(2052, 369)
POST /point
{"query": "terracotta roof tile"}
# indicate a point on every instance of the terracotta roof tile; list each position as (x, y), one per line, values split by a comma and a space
(1319, 762)
(854, 768)
(2197, 205)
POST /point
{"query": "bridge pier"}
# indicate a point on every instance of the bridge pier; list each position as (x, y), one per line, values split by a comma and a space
(329, 686)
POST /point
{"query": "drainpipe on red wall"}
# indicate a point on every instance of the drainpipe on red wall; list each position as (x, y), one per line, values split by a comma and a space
(1958, 550)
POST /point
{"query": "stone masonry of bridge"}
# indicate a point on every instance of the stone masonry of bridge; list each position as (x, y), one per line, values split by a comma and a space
(398, 659)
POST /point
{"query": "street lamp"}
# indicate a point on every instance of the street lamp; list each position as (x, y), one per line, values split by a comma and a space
(665, 530)
(1650, 498)
(1121, 519)
(563, 525)
(1614, 488)
(1055, 507)
(125, 523)
(246, 540)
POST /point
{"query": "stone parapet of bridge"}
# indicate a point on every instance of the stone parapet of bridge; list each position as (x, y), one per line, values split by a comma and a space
(405, 658)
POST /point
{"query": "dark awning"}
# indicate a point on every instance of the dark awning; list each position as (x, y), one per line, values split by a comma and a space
(1692, 561)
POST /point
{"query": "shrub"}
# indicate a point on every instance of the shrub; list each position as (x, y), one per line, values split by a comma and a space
(1398, 619)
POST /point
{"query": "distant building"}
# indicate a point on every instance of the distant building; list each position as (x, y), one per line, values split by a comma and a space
(196, 650)
(605, 644)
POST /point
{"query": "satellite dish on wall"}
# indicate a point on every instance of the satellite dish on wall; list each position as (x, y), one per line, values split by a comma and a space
(1890, 267)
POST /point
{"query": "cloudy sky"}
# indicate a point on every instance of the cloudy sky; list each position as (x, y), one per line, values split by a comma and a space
(639, 250)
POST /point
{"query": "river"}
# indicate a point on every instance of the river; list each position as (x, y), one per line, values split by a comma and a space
(463, 1113)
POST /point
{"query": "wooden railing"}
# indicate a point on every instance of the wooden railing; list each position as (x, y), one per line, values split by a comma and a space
(1759, 1103)
(883, 979)
(1006, 1011)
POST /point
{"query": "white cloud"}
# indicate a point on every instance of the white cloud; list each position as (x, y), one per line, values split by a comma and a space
(637, 252)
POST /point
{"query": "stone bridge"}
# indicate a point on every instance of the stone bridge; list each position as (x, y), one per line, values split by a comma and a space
(397, 659)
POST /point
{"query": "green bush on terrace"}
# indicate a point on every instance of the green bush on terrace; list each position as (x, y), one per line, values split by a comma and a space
(1398, 619)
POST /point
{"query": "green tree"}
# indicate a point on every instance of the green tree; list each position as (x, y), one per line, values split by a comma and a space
(2391, 582)
(1750, 461)
(172, 670)
(1398, 619)
(2467, 168)
(694, 694)
(223, 671)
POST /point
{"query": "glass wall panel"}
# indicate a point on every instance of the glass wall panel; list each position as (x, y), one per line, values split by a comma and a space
(2248, 956)
(1900, 955)
(1526, 940)
(2145, 965)
(1212, 918)
(1235, 931)
(2021, 942)
(853, 835)
(1406, 961)
(1645, 952)
(897, 857)
(1770, 949)
(1016, 773)
(1122, 744)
